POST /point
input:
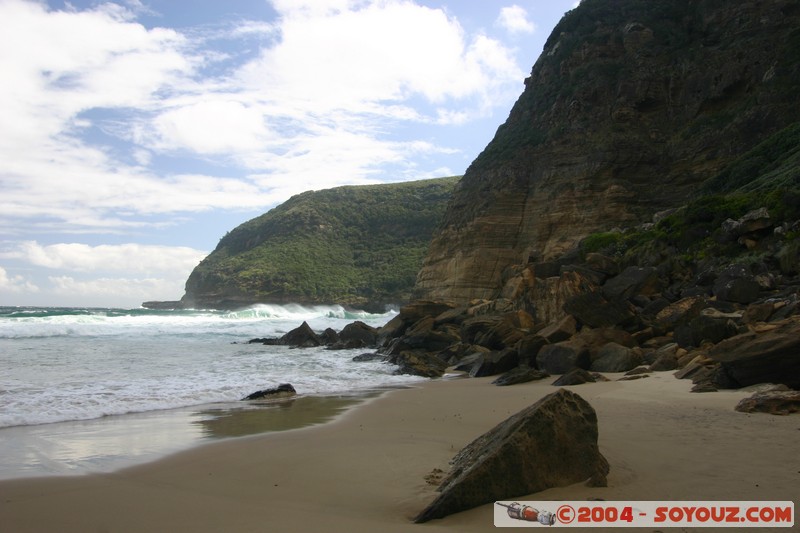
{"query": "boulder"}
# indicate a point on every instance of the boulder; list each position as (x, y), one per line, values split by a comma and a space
(593, 309)
(666, 360)
(431, 340)
(789, 258)
(560, 330)
(528, 348)
(602, 263)
(736, 284)
(613, 357)
(552, 443)
(414, 311)
(772, 402)
(681, 311)
(495, 362)
(576, 376)
(561, 357)
(479, 326)
(467, 362)
(301, 337)
(709, 326)
(281, 391)
(419, 363)
(329, 337)
(358, 335)
(454, 353)
(368, 357)
(632, 281)
(772, 356)
(753, 221)
(497, 331)
(520, 375)
(758, 312)
(638, 371)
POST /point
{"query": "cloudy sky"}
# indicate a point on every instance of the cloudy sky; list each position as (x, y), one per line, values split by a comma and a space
(135, 133)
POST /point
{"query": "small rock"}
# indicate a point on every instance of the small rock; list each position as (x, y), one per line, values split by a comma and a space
(774, 403)
(520, 375)
(281, 391)
(576, 376)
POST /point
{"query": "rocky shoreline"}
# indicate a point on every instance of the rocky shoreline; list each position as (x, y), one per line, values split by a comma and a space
(724, 326)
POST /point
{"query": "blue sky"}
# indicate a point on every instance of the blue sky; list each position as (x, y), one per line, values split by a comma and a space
(137, 133)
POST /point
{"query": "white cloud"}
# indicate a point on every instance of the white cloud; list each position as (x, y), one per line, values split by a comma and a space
(15, 284)
(122, 257)
(515, 20)
(112, 291)
(382, 52)
(93, 100)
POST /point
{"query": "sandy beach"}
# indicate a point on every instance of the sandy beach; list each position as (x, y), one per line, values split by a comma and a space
(366, 470)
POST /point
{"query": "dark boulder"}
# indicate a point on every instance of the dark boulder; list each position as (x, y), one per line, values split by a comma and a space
(520, 375)
(560, 330)
(358, 335)
(771, 356)
(419, 363)
(552, 443)
(666, 360)
(737, 284)
(368, 357)
(301, 337)
(494, 362)
(593, 309)
(613, 357)
(680, 312)
(561, 357)
(773, 402)
(414, 311)
(576, 376)
(758, 312)
(709, 326)
(329, 337)
(528, 348)
(281, 391)
(632, 281)
(432, 340)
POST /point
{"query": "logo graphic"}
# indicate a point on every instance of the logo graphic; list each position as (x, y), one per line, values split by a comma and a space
(528, 513)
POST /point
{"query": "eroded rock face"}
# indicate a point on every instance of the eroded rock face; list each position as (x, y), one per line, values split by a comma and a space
(552, 443)
(618, 120)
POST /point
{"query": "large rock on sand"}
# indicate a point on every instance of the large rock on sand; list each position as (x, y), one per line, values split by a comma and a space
(552, 443)
(771, 356)
(772, 402)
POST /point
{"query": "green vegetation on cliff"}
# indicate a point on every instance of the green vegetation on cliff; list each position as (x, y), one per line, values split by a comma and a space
(355, 245)
(768, 176)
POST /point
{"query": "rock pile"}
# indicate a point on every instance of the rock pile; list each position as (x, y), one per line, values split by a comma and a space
(720, 325)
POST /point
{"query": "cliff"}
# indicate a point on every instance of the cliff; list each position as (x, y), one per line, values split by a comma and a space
(631, 108)
(360, 246)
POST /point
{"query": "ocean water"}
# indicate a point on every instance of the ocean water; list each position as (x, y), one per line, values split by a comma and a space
(74, 378)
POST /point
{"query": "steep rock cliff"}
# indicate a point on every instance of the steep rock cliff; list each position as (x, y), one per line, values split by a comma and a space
(631, 107)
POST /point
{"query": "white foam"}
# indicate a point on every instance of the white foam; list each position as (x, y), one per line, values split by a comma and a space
(77, 367)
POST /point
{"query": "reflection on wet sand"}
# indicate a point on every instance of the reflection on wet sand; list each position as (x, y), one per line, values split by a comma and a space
(261, 416)
(113, 442)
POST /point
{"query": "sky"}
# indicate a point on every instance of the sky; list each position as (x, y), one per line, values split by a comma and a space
(136, 133)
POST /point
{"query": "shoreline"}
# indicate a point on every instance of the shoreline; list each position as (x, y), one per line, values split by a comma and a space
(366, 470)
(114, 442)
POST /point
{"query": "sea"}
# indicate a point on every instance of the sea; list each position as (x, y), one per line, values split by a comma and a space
(89, 390)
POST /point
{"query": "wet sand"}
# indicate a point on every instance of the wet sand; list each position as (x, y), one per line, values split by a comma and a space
(367, 469)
